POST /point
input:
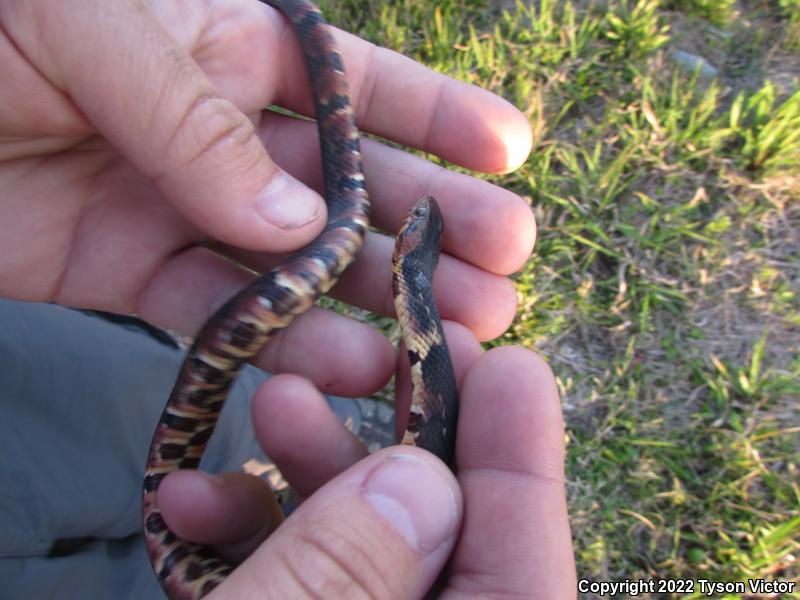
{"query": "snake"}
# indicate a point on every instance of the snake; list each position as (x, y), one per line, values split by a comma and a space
(241, 327)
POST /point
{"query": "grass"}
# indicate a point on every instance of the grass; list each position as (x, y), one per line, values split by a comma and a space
(664, 288)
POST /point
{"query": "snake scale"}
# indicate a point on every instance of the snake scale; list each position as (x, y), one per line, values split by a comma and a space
(238, 330)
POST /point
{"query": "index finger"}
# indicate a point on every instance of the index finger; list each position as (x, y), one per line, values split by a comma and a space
(401, 100)
(515, 539)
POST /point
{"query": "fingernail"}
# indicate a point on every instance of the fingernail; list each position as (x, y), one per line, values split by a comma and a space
(287, 203)
(213, 479)
(415, 498)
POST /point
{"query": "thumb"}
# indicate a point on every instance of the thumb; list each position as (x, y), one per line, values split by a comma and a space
(147, 95)
(382, 529)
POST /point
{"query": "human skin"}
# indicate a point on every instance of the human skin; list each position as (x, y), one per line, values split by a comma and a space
(135, 162)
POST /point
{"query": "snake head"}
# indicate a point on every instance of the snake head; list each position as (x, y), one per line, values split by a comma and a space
(422, 229)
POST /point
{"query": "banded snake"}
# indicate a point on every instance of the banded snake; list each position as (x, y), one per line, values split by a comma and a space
(239, 329)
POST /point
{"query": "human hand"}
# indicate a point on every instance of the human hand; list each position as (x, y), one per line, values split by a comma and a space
(134, 158)
(384, 526)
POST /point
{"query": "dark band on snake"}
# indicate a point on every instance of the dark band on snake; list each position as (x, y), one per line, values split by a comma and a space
(238, 330)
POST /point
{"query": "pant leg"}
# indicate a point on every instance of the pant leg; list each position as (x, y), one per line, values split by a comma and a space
(80, 398)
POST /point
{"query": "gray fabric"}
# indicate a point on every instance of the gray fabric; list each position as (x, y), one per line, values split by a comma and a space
(80, 398)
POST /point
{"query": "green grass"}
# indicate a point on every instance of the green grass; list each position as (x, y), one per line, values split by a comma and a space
(664, 287)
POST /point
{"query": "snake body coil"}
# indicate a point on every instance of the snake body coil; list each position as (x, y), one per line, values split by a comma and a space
(242, 326)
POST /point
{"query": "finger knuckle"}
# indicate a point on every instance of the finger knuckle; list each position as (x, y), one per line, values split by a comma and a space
(211, 128)
(329, 564)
